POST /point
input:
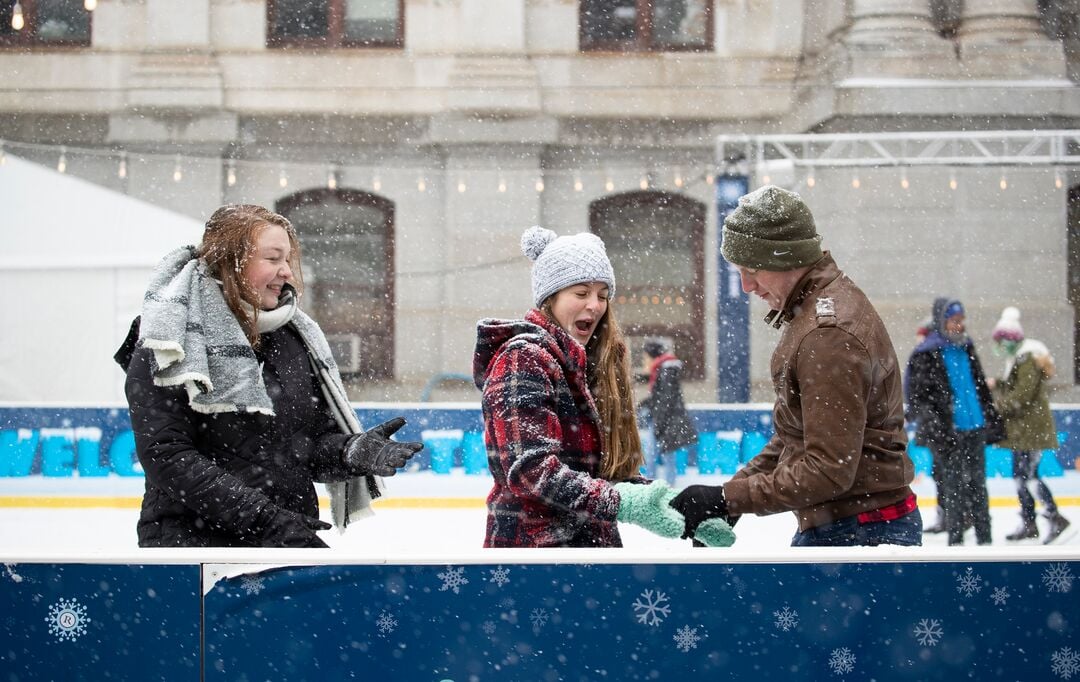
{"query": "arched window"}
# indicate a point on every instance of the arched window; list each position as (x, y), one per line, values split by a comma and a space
(656, 243)
(348, 263)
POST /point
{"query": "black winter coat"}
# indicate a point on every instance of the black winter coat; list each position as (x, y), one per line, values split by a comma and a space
(211, 478)
(930, 396)
(665, 405)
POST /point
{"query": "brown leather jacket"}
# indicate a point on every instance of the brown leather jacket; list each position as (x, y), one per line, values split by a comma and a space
(839, 446)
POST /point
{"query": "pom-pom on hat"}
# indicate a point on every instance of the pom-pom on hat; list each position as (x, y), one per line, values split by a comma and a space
(1008, 326)
(771, 229)
(559, 262)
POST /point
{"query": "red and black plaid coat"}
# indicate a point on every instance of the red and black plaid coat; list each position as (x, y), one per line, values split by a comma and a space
(542, 432)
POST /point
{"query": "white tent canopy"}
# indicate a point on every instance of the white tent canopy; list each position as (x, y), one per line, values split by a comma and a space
(73, 267)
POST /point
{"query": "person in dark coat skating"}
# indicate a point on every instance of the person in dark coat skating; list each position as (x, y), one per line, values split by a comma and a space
(236, 402)
(955, 416)
(665, 406)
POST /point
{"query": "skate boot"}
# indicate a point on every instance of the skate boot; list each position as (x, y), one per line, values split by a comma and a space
(1027, 530)
(1058, 525)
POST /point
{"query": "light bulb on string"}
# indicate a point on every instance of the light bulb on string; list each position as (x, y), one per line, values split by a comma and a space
(61, 163)
(644, 182)
(1003, 182)
(90, 5)
(1058, 181)
(539, 185)
(502, 185)
(678, 177)
(578, 184)
(766, 179)
(121, 171)
(17, 20)
(855, 182)
(283, 179)
(810, 179)
(710, 178)
(376, 183)
(609, 184)
(177, 173)
(461, 186)
(904, 184)
(953, 184)
(230, 174)
(331, 178)
(421, 184)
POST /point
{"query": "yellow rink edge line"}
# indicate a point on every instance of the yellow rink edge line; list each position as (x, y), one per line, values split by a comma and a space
(131, 502)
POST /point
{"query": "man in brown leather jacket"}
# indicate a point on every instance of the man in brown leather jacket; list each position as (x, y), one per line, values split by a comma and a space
(838, 456)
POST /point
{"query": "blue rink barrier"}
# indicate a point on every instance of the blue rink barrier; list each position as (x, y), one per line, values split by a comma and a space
(867, 614)
(97, 441)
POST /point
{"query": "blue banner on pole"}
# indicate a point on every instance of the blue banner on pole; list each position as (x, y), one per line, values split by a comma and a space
(733, 306)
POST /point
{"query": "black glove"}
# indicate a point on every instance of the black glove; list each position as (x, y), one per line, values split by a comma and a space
(285, 528)
(700, 502)
(372, 453)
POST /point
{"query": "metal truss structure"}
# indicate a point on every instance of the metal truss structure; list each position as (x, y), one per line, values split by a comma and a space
(861, 150)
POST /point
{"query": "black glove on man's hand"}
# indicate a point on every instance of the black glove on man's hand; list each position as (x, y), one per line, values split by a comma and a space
(372, 453)
(700, 502)
(287, 528)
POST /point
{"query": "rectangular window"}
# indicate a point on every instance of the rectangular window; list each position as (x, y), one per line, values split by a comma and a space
(335, 23)
(646, 25)
(44, 23)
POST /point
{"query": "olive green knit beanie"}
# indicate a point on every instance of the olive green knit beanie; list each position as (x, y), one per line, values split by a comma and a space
(771, 229)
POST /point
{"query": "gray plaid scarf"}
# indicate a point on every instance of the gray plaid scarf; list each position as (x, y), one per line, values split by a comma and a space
(198, 344)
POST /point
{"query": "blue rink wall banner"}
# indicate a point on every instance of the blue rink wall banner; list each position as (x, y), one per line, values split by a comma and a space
(825, 615)
(94, 442)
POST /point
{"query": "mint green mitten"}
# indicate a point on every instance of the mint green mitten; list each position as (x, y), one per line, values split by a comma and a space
(715, 533)
(648, 506)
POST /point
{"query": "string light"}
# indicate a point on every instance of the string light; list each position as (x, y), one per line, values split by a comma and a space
(903, 179)
(644, 183)
(230, 174)
(61, 163)
(609, 184)
(331, 178)
(177, 173)
(1003, 183)
(710, 178)
(578, 185)
(283, 179)
(1058, 182)
(766, 179)
(461, 186)
(953, 184)
(810, 180)
(539, 185)
(121, 171)
(678, 177)
(90, 5)
(502, 184)
(17, 21)
(421, 184)
(855, 182)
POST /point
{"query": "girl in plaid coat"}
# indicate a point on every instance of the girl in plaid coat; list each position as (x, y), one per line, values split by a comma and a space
(559, 422)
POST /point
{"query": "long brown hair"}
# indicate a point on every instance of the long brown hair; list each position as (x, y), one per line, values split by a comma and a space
(228, 243)
(610, 383)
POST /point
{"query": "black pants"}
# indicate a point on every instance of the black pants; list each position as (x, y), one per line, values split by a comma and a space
(1026, 469)
(963, 486)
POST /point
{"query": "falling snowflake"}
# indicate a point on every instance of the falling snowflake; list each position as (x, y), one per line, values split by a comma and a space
(652, 610)
(969, 583)
(539, 618)
(1058, 578)
(500, 576)
(488, 627)
(1000, 596)
(386, 623)
(786, 619)
(686, 638)
(842, 661)
(1065, 663)
(67, 620)
(453, 579)
(929, 631)
(252, 584)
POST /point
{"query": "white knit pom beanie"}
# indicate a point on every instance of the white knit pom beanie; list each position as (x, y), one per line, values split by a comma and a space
(1008, 326)
(559, 262)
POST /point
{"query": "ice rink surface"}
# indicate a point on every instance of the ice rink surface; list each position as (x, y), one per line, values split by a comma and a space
(421, 512)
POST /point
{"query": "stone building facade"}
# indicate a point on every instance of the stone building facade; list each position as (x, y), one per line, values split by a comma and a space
(412, 141)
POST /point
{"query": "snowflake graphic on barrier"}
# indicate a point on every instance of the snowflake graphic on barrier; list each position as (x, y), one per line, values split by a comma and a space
(928, 632)
(686, 638)
(786, 618)
(67, 620)
(453, 579)
(1000, 596)
(1065, 663)
(500, 576)
(1058, 578)
(969, 583)
(538, 618)
(653, 609)
(842, 661)
(252, 584)
(386, 623)
(10, 570)
(488, 627)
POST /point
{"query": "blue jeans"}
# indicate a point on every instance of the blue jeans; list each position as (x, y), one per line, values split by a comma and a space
(848, 532)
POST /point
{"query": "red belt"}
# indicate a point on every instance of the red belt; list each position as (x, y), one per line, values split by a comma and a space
(891, 512)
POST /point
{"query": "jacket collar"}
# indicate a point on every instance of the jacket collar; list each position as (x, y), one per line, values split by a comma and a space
(820, 275)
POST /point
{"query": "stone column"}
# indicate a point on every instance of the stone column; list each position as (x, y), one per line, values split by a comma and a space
(1003, 39)
(896, 38)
